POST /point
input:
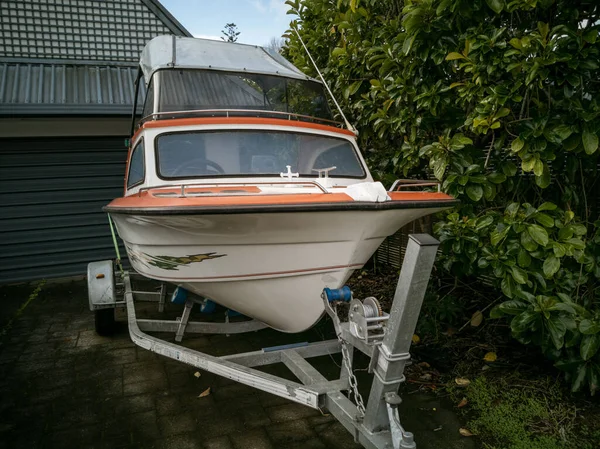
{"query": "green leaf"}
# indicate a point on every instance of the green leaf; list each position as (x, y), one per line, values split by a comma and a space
(496, 5)
(498, 234)
(483, 222)
(528, 165)
(538, 168)
(589, 346)
(497, 178)
(544, 220)
(551, 266)
(354, 87)
(513, 307)
(512, 209)
(475, 192)
(519, 275)
(590, 142)
(509, 168)
(589, 327)
(517, 145)
(580, 375)
(565, 233)
(508, 288)
(544, 179)
(454, 55)
(496, 312)
(523, 259)
(522, 322)
(577, 243)
(547, 206)
(556, 328)
(337, 51)
(538, 234)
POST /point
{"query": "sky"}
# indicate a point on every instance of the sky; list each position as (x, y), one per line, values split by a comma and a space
(257, 20)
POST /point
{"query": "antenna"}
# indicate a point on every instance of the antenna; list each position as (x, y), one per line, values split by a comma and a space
(348, 125)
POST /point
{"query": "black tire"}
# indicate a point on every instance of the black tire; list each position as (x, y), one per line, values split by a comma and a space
(104, 320)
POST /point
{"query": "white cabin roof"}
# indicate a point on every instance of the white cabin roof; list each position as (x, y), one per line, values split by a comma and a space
(191, 53)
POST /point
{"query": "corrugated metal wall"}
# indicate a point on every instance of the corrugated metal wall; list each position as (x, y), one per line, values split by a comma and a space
(51, 195)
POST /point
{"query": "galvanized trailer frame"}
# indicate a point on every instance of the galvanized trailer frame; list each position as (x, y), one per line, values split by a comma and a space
(376, 425)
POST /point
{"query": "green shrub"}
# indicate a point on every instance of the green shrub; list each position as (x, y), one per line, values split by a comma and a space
(500, 101)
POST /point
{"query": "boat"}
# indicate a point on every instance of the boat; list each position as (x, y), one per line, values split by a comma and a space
(241, 188)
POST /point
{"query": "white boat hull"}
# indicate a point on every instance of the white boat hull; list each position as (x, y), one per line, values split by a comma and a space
(270, 266)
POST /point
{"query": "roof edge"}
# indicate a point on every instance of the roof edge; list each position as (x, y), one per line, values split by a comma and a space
(61, 61)
(167, 18)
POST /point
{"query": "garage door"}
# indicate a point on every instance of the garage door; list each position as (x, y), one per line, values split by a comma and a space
(51, 195)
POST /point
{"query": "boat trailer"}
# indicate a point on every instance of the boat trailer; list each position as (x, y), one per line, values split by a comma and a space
(384, 338)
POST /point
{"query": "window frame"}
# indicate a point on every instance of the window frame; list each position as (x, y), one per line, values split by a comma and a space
(135, 147)
(254, 175)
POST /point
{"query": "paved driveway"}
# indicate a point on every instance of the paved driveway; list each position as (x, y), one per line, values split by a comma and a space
(62, 386)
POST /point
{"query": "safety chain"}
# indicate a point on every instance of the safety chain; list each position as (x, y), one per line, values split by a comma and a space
(360, 405)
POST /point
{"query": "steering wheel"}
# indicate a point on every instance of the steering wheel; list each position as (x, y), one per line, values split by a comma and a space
(202, 163)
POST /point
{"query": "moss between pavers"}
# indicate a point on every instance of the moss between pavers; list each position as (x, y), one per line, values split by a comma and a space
(515, 413)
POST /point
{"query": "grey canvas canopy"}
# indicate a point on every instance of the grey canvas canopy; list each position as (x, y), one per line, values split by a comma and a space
(191, 53)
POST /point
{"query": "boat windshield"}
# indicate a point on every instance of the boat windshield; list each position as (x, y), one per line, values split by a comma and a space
(191, 90)
(234, 153)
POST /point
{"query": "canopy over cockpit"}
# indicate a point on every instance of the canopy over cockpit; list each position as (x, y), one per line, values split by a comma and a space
(186, 76)
(174, 52)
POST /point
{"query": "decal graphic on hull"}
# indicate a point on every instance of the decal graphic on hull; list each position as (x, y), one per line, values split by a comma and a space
(173, 263)
(168, 262)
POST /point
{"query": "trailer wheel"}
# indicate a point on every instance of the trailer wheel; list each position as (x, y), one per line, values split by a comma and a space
(104, 320)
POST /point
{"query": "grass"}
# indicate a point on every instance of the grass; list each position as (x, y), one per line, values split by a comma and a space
(510, 412)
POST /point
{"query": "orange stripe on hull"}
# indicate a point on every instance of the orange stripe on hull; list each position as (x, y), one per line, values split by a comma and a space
(147, 199)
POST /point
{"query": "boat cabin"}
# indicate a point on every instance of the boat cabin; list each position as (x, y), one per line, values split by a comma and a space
(225, 113)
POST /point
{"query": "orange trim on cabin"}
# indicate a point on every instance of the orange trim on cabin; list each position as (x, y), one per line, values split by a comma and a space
(166, 123)
(148, 199)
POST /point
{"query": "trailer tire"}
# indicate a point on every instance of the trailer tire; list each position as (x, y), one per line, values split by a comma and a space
(104, 321)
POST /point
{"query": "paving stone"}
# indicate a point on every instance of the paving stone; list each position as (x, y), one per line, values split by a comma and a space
(167, 404)
(290, 431)
(253, 439)
(149, 386)
(216, 425)
(176, 424)
(144, 372)
(91, 338)
(143, 426)
(289, 412)
(254, 416)
(313, 443)
(218, 443)
(187, 441)
(135, 404)
(335, 436)
(123, 355)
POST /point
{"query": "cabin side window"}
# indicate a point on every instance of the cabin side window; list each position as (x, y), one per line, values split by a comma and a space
(149, 101)
(136, 166)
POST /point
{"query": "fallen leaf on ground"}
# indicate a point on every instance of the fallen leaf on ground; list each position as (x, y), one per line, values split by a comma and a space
(416, 339)
(425, 376)
(490, 357)
(204, 393)
(197, 374)
(462, 382)
(424, 365)
(464, 432)
(476, 319)
(462, 403)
